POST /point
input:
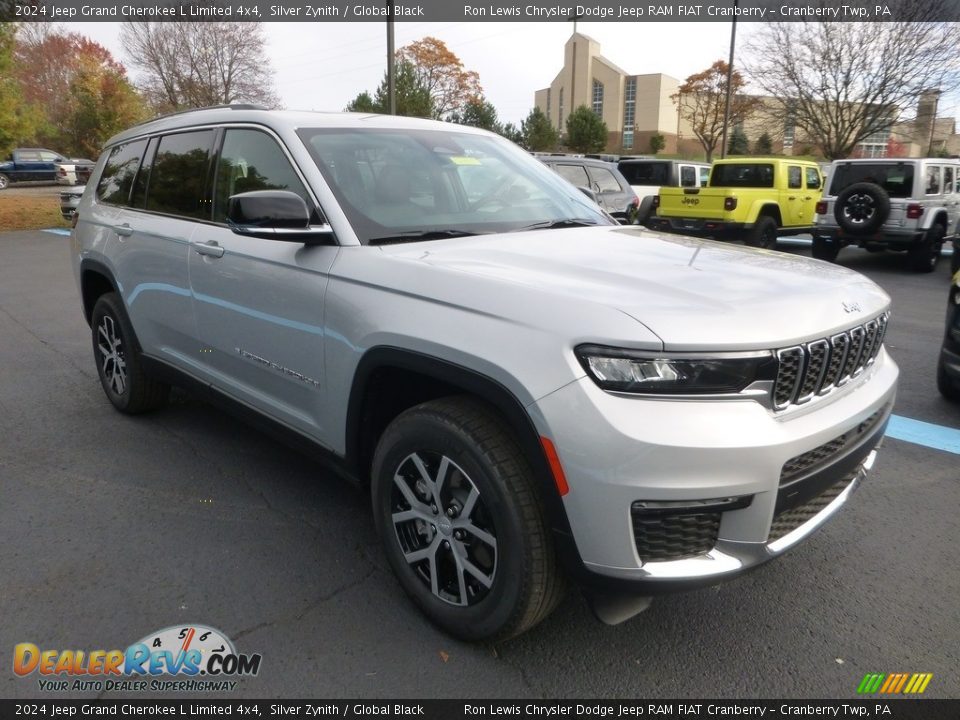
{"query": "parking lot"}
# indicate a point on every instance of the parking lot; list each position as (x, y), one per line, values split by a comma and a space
(114, 527)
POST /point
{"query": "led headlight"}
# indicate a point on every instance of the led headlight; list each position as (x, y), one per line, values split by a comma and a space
(634, 371)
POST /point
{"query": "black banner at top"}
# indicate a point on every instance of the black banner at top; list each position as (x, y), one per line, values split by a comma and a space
(482, 10)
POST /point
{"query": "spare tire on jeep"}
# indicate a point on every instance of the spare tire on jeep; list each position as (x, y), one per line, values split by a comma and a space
(862, 208)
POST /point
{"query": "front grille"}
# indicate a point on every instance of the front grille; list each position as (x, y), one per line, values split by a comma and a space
(810, 461)
(674, 537)
(816, 367)
(790, 519)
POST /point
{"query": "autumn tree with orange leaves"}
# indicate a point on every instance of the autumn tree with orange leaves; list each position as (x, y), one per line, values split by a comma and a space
(452, 88)
(701, 102)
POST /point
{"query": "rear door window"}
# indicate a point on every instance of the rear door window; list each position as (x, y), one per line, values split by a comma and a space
(794, 176)
(178, 178)
(119, 173)
(688, 176)
(933, 180)
(574, 173)
(948, 180)
(813, 179)
(605, 180)
(704, 176)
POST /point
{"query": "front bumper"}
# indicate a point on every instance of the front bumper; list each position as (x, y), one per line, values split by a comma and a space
(620, 451)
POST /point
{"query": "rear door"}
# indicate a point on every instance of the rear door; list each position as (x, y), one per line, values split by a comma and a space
(259, 303)
(793, 206)
(812, 182)
(47, 169)
(613, 198)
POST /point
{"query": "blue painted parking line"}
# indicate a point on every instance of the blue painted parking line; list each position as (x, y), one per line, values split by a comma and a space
(923, 433)
(58, 231)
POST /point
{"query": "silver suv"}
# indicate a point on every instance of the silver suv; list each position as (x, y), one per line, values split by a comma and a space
(532, 393)
(908, 205)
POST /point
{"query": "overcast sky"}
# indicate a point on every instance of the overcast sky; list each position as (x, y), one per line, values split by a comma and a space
(322, 66)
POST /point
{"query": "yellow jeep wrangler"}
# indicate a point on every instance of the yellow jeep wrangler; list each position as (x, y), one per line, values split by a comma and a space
(752, 199)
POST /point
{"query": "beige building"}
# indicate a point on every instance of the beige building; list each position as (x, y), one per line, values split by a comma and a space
(636, 107)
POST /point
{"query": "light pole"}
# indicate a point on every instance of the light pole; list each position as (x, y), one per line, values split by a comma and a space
(726, 109)
(391, 66)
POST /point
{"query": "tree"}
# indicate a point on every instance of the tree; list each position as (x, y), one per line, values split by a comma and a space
(512, 133)
(102, 103)
(412, 98)
(842, 82)
(538, 133)
(586, 132)
(738, 144)
(702, 102)
(16, 117)
(451, 87)
(479, 112)
(763, 145)
(187, 65)
(657, 143)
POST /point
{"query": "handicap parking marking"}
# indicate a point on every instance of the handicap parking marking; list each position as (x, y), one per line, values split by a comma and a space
(927, 434)
(57, 231)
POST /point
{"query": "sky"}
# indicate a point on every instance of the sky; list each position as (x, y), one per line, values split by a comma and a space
(323, 66)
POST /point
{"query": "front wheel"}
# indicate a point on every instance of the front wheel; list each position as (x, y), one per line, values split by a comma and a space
(763, 234)
(825, 249)
(4, 181)
(118, 360)
(462, 524)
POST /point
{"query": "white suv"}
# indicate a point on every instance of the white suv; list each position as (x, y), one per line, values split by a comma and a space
(531, 392)
(908, 205)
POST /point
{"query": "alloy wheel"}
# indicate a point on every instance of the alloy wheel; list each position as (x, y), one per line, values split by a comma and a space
(113, 363)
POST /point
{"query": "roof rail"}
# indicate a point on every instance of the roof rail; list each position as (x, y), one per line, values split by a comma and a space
(234, 106)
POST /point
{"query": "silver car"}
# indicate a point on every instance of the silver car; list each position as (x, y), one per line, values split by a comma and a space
(533, 393)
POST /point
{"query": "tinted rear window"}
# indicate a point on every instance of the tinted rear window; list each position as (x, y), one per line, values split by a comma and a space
(747, 175)
(645, 173)
(119, 172)
(895, 178)
(178, 178)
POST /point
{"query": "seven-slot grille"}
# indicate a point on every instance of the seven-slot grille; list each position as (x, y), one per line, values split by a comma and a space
(816, 367)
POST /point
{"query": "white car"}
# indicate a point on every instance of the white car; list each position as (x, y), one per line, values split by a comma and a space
(75, 171)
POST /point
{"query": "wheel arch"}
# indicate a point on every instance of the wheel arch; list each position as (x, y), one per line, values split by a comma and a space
(389, 380)
(766, 208)
(96, 279)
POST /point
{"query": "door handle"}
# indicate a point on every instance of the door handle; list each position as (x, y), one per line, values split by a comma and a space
(123, 230)
(792, 197)
(210, 247)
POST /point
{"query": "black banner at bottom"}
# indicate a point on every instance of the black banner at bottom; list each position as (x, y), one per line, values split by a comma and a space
(917, 709)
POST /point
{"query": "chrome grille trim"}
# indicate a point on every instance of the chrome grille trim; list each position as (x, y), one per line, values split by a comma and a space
(817, 367)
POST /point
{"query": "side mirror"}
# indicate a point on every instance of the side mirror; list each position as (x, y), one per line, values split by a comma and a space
(589, 193)
(274, 215)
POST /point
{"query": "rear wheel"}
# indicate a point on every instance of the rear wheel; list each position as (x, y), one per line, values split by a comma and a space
(764, 233)
(923, 256)
(825, 248)
(461, 521)
(4, 181)
(118, 360)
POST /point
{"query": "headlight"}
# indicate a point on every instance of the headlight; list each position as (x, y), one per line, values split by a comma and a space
(635, 371)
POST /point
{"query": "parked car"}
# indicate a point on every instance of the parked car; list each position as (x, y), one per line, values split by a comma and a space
(75, 171)
(70, 200)
(756, 200)
(30, 164)
(606, 183)
(948, 366)
(533, 393)
(901, 204)
(647, 176)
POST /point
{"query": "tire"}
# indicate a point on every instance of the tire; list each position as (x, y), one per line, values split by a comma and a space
(4, 182)
(486, 512)
(117, 356)
(945, 384)
(955, 259)
(763, 234)
(923, 256)
(862, 208)
(825, 248)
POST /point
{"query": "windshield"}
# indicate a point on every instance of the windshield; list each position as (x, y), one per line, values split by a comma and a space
(645, 173)
(434, 184)
(895, 178)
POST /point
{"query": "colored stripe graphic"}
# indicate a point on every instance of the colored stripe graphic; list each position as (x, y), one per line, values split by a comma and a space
(926, 434)
(894, 683)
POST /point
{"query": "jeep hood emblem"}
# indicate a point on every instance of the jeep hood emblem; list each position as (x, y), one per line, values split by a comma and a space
(851, 307)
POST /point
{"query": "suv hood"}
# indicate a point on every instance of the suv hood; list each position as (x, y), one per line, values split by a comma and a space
(693, 294)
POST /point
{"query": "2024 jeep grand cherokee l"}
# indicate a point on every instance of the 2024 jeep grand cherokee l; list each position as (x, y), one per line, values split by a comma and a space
(532, 392)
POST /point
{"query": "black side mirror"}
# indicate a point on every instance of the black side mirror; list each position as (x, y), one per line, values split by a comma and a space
(275, 215)
(589, 193)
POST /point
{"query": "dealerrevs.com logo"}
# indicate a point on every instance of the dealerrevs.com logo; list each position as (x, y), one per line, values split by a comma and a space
(182, 658)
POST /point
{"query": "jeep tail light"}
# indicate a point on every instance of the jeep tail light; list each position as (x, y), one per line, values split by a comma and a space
(656, 201)
(730, 203)
(914, 211)
(821, 207)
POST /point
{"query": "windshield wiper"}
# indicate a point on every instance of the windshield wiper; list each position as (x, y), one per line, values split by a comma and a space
(558, 224)
(418, 235)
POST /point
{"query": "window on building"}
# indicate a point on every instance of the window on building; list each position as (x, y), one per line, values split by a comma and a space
(598, 97)
(560, 114)
(629, 110)
(548, 102)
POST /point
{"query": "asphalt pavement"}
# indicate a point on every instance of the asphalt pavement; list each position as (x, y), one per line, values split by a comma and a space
(113, 527)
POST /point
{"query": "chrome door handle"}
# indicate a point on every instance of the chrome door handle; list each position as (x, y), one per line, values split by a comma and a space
(211, 248)
(123, 230)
